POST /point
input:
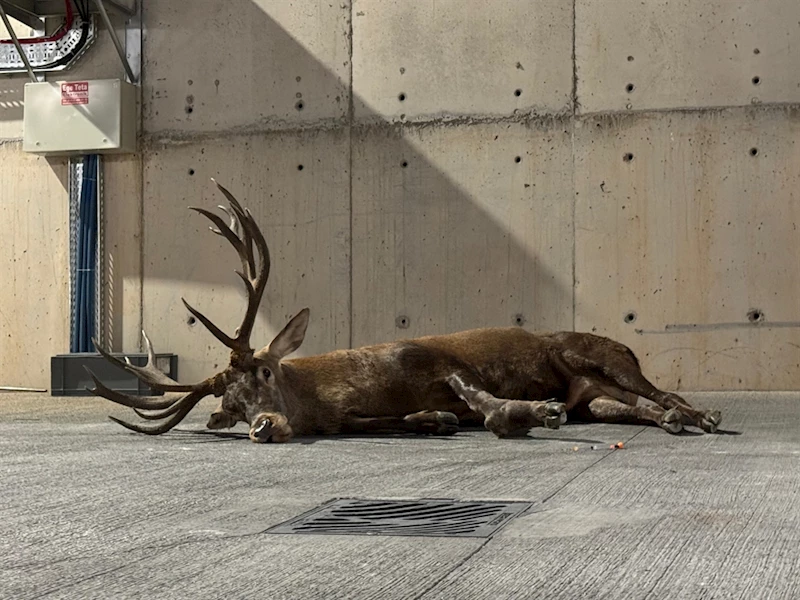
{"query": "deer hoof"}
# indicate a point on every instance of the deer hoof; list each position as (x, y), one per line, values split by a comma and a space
(711, 421)
(556, 415)
(448, 423)
(672, 421)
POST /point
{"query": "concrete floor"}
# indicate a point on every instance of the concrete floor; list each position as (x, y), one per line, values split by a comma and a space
(90, 510)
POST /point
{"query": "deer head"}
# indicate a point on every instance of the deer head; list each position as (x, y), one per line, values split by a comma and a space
(252, 386)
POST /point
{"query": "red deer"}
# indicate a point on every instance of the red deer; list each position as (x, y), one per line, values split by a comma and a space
(508, 379)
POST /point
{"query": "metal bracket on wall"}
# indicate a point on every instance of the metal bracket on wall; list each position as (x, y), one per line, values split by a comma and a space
(115, 38)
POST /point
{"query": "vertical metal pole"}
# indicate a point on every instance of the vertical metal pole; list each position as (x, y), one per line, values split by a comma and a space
(23, 57)
(114, 38)
(133, 41)
(100, 279)
(75, 181)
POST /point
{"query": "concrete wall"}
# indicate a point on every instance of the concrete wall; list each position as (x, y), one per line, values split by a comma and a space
(554, 165)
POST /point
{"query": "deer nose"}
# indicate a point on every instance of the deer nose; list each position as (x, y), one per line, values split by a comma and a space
(263, 430)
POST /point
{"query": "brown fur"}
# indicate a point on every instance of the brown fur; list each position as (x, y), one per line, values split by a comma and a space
(340, 391)
(507, 379)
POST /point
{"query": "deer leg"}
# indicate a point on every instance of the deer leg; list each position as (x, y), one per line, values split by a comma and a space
(219, 419)
(427, 421)
(610, 410)
(638, 384)
(612, 405)
(505, 417)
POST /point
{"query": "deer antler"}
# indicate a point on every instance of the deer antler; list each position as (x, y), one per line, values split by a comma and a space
(254, 282)
(181, 398)
(173, 404)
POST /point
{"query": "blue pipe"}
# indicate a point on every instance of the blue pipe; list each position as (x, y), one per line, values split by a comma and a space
(84, 310)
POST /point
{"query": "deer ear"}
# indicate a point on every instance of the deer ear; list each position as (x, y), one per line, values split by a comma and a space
(290, 338)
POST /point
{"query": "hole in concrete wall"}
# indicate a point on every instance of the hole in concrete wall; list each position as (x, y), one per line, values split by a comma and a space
(629, 88)
(299, 105)
(630, 59)
(756, 80)
(190, 82)
(404, 164)
(189, 110)
(519, 320)
(754, 151)
(191, 171)
(191, 320)
(402, 97)
(517, 159)
(754, 315)
(402, 322)
(627, 157)
(756, 51)
(299, 167)
(518, 93)
(629, 317)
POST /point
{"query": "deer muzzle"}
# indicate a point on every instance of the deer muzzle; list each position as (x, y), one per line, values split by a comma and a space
(270, 427)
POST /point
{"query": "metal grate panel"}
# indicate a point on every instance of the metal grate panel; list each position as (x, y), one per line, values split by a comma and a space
(75, 178)
(431, 518)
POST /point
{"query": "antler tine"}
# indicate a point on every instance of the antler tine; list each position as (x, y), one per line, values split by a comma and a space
(234, 224)
(215, 331)
(159, 414)
(227, 232)
(241, 215)
(259, 284)
(149, 374)
(131, 401)
(186, 404)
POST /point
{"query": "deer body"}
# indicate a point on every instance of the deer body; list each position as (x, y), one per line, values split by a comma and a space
(408, 376)
(508, 379)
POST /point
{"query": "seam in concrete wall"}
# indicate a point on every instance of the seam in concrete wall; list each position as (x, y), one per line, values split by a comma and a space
(176, 137)
(351, 111)
(171, 138)
(572, 143)
(140, 343)
(692, 109)
(141, 155)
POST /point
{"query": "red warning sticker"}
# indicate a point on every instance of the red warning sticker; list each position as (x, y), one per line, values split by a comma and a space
(75, 92)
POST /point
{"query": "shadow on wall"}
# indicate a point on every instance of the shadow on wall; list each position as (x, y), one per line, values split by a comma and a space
(11, 98)
(453, 226)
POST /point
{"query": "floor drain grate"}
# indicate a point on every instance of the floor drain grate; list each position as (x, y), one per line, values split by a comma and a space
(436, 518)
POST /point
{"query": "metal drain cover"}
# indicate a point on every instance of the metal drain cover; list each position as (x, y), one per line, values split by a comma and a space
(434, 518)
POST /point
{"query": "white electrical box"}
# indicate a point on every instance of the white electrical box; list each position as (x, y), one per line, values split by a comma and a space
(80, 117)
